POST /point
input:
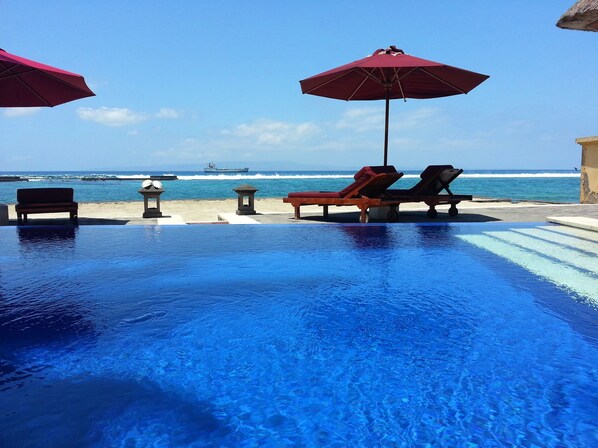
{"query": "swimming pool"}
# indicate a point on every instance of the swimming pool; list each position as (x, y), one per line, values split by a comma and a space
(319, 335)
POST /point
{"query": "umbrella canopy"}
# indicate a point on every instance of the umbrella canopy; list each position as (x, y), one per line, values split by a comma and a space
(26, 83)
(583, 15)
(390, 74)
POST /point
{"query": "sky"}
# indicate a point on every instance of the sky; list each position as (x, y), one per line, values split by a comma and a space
(181, 83)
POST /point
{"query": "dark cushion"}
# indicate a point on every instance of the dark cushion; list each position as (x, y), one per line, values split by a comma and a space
(388, 169)
(45, 205)
(433, 170)
(432, 182)
(44, 195)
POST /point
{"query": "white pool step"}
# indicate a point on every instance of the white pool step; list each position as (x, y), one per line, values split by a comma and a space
(562, 239)
(574, 231)
(566, 263)
(561, 253)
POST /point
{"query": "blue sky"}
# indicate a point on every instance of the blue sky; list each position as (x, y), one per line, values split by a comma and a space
(182, 83)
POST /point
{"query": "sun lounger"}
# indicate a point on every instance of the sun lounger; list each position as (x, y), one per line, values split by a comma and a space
(434, 179)
(370, 183)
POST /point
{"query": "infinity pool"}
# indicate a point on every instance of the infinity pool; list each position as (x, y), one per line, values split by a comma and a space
(356, 335)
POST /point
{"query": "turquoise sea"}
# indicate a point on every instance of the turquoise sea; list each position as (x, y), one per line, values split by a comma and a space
(517, 185)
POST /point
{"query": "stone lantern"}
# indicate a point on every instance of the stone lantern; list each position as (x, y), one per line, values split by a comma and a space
(246, 195)
(151, 191)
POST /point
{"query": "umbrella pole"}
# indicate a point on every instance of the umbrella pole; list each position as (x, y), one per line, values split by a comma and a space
(386, 128)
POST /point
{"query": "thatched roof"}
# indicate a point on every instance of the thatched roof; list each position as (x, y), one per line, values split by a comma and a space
(583, 15)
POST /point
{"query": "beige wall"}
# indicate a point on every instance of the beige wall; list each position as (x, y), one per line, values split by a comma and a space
(589, 170)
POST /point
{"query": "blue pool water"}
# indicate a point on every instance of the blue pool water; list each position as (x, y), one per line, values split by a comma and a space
(356, 335)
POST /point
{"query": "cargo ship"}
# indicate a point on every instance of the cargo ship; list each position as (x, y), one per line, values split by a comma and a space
(212, 168)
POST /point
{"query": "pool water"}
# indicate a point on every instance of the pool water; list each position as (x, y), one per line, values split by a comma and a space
(315, 335)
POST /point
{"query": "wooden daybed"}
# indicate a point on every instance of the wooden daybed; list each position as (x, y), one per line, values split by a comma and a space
(45, 200)
(366, 192)
(434, 180)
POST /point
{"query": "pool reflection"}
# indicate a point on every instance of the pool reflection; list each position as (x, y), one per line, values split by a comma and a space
(405, 235)
(45, 238)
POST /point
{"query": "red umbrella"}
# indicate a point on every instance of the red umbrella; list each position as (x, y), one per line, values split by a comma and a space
(26, 83)
(389, 74)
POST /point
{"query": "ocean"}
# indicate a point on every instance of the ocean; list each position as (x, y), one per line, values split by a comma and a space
(517, 185)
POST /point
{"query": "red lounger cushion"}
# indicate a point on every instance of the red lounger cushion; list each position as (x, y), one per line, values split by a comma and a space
(361, 177)
(315, 194)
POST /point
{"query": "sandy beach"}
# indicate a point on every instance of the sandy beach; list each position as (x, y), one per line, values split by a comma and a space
(274, 211)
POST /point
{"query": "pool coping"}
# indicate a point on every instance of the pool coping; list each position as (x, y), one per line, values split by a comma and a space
(580, 222)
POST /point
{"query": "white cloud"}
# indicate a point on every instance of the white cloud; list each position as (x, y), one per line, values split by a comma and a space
(517, 126)
(188, 149)
(422, 117)
(111, 116)
(461, 142)
(367, 119)
(167, 113)
(265, 132)
(244, 141)
(21, 158)
(20, 111)
(362, 119)
(356, 137)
